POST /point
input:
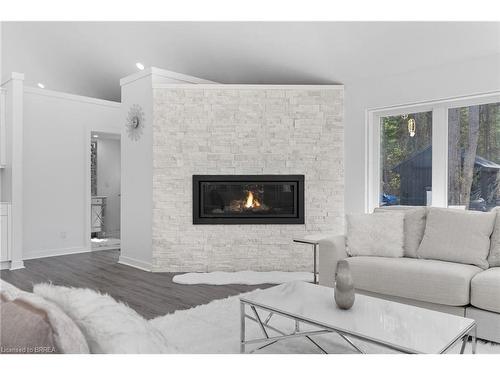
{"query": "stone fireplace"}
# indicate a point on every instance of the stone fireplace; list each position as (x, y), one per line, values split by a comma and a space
(248, 199)
(248, 148)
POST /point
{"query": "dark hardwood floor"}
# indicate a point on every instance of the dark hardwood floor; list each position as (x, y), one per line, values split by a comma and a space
(149, 293)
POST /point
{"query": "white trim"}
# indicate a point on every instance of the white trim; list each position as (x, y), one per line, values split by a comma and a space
(230, 86)
(162, 73)
(16, 265)
(13, 76)
(55, 252)
(439, 157)
(456, 101)
(439, 142)
(71, 97)
(136, 263)
(88, 189)
(5, 265)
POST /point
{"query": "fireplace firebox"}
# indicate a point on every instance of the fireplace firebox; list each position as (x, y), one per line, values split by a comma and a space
(248, 199)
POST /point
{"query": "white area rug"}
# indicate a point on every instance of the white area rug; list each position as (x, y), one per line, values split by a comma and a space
(215, 328)
(241, 277)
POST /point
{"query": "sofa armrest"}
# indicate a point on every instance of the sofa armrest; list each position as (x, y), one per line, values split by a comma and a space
(331, 250)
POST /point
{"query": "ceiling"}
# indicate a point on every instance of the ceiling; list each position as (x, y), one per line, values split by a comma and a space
(89, 58)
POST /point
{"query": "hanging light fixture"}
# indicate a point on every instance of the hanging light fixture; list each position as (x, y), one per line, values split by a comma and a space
(412, 128)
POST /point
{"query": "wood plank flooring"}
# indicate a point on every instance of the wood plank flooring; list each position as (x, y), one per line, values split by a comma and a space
(149, 293)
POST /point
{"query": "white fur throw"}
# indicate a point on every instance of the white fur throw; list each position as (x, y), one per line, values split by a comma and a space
(375, 235)
(67, 336)
(109, 326)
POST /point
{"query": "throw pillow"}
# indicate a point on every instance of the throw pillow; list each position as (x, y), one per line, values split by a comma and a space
(414, 226)
(375, 235)
(109, 326)
(25, 329)
(66, 335)
(457, 236)
(494, 257)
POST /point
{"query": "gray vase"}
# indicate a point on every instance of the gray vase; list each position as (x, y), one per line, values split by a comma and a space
(344, 286)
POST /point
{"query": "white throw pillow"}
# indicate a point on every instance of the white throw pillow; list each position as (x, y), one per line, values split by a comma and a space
(375, 234)
(494, 257)
(457, 236)
(109, 326)
(414, 226)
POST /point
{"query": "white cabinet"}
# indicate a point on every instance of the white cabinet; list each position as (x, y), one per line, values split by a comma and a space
(3, 134)
(5, 232)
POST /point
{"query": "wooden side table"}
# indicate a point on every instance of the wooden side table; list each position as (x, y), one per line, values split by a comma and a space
(313, 239)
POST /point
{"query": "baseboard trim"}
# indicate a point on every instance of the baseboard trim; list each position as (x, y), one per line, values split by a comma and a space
(5, 265)
(140, 264)
(16, 265)
(56, 252)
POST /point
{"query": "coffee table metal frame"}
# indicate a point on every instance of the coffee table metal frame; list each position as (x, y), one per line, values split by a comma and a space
(314, 243)
(469, 332)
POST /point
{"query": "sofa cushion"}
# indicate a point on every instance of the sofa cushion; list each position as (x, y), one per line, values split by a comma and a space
(375, 235)
(24, 329)
(414, 226)
(457, 236)
(425, 280)
(485, 290)
(494, 257)
(66, 335)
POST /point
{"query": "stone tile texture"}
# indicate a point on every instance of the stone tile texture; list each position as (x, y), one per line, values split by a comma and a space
(244, 131)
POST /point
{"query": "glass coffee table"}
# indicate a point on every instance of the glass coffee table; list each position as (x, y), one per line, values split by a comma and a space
(403, 328)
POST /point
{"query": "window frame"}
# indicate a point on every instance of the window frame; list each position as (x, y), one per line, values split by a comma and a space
(439, 110)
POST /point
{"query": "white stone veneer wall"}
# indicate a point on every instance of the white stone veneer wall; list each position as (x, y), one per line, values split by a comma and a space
(227, 130)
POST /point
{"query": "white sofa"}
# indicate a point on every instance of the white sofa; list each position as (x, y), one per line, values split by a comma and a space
(455, 288)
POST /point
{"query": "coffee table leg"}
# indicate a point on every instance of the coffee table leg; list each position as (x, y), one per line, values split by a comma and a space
(465, 339)
(474, 340)
(315, 279)
(242, 328)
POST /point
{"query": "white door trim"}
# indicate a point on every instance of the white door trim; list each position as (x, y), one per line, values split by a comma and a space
(88, 193)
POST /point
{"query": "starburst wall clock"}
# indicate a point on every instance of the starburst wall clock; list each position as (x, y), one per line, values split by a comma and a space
(135, 122)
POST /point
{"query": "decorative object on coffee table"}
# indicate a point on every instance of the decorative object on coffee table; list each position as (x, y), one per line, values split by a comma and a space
(344, 286)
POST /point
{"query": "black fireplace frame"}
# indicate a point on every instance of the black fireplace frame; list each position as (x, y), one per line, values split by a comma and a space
(295, 178)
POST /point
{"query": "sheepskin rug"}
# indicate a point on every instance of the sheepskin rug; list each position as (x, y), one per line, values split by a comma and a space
(215, 328)
(241, 277)
(112, 327)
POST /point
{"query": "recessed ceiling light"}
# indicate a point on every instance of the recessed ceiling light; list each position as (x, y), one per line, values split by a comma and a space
(41, 85)
(95, 136)
(139, 66)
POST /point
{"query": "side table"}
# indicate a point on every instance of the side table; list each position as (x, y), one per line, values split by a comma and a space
(313, 239)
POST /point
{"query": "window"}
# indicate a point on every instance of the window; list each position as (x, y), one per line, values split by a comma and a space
(406, 152)
(474, 157)
(443, 153)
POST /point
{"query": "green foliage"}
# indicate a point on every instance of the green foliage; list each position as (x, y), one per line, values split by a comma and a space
(398, 146)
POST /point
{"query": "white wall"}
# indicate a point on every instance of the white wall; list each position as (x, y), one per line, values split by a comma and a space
(469, 77)
(137, 161)
(108, 182)
(56, 154)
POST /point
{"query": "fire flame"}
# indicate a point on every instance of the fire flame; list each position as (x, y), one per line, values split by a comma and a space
(251, 202)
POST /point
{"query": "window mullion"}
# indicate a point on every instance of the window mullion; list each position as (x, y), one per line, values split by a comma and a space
(440, 156)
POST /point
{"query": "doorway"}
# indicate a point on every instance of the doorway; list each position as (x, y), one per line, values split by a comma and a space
(105, 190)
